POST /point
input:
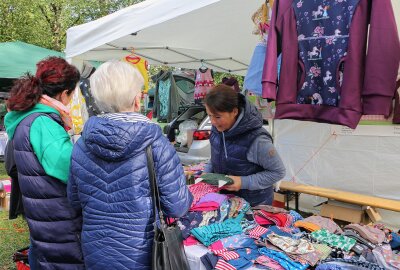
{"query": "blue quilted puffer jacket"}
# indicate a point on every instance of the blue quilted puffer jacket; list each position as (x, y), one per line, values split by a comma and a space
(109, 180)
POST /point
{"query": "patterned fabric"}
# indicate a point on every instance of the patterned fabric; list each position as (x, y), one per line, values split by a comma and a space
(214, 232)
(333, 240)
(131, 117)
(163, 92)
(233, 243)
(323, 34)
(203, 82)
(270, 209)
(188, 222)
(229, 255)
(224, 210)
(386, 258)
(199, 190)
(311, 258)
(296, 216)
(208, 218)
(238, 205)
(142, 65)
(346, 264)
(257, 232)
(282, 259)
(223, 265)
(270, 263)
(290, 245)
(323, 250)
(279, 219)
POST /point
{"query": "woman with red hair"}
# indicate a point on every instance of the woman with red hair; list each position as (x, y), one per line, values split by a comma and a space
(37, 124)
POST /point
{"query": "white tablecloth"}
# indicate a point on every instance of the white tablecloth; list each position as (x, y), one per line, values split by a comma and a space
(194, 253)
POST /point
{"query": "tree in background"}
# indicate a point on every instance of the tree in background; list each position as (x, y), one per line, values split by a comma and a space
(44, 23)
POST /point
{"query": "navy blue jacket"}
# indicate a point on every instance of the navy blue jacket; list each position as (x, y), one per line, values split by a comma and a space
(229, 151)
(109, 180)
(54, 225)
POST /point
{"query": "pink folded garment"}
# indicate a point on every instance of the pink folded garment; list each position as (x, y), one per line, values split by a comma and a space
(190, 241)
(262, 221)
(206, 206)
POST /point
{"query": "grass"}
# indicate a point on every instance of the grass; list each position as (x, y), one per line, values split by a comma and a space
(14, 235)
(3, 174)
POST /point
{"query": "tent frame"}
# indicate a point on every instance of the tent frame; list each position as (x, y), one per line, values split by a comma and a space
(193, 59)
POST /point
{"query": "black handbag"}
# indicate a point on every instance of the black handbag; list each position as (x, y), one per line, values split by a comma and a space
(168, 250)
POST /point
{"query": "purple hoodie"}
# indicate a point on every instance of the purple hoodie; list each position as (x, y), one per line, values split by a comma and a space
(327, 74)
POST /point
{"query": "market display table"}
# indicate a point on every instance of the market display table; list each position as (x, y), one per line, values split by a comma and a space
(194, 253)
(342, 196)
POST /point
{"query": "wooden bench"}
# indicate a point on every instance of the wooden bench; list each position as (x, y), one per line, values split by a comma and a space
(343, 196)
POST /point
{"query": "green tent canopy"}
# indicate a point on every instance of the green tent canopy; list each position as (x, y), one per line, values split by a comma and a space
(18, 58)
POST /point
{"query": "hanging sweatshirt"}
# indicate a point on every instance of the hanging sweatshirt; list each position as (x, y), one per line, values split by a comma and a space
(328, 75)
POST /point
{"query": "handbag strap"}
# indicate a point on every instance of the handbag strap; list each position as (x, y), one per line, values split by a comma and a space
(154, 187)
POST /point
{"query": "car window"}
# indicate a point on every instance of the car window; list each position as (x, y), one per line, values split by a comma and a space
(198, 117)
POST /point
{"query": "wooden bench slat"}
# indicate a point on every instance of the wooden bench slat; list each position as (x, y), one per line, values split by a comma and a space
(343, 196)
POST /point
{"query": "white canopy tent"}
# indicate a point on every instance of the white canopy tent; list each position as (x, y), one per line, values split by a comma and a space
(172, 32)
(181, 33)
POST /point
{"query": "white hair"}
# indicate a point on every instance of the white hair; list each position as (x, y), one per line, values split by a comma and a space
(115, 85)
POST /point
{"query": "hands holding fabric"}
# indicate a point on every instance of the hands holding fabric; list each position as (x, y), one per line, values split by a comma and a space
(237, 183)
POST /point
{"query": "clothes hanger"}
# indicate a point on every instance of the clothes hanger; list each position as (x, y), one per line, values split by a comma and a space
(203, 67)
(133, 58)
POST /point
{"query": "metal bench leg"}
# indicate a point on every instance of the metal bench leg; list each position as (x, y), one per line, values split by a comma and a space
(287, 200)
(296, 197)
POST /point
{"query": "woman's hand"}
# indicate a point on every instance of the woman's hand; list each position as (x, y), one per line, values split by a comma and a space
(237, 183)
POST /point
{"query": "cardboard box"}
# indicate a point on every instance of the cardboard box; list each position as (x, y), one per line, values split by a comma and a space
(344, 211)
(279, 200)
(373, 214)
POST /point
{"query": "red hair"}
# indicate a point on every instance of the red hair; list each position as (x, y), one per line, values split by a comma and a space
(53, 76)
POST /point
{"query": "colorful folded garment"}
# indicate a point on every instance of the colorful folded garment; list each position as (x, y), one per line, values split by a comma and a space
(213, 197)
(291, 246)
(270, 209)
(374, 235)
(345, 264)
(199, 190)
(215, 179)
(279, 219)
(333, 240)
(214, 232)
(283, 259)
(307, 225)
(324, 223)
(270, 263)
(233, 242)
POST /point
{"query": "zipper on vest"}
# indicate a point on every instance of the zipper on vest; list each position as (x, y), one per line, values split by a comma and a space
(223, 139)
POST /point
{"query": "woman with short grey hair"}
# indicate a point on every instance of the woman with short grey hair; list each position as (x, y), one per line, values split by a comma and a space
(109, 179)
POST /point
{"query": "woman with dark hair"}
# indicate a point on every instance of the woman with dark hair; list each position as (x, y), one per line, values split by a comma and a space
(36, 124)
(241, 147)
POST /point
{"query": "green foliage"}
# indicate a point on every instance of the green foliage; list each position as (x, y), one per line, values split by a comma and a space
(44, 23)
(218, 76)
